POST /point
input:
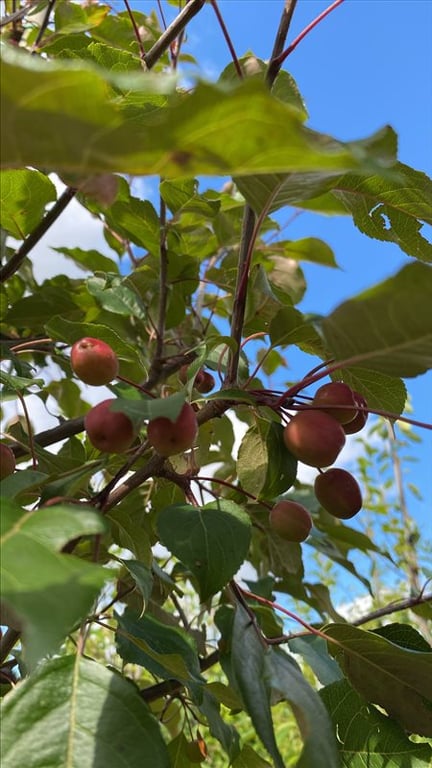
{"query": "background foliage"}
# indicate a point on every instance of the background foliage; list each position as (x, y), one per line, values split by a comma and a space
(130, 636)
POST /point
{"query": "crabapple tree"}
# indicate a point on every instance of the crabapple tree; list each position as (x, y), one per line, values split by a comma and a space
(181, 524)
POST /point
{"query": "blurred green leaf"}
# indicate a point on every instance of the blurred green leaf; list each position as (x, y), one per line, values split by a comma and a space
(187, 137)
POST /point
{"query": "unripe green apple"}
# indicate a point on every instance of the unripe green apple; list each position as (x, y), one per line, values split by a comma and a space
(314, 437)
(109, 431)
(339, 493)
(94, 362)
(358, 422)
(7, 461)
(170, 437)
(290, 520)
(336, 393)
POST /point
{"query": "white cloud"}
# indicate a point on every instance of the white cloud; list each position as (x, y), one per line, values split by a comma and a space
(75, 228)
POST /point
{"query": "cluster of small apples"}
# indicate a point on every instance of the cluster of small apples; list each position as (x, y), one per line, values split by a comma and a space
(96, 363)
(316, 436)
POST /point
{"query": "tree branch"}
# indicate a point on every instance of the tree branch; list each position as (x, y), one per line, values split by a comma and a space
(33, 238)
(401, 605)
(281, 35)
(189, 11)
(156, 364)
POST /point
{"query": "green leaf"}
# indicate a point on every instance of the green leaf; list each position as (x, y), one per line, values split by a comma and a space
(136, 220)
(308, 249)
(290, 326)
(24, 195)
(17, 383)
(219, 729)
(34, 311)
(90, 260)
(387, 393)
(398, 679)
(265, 467)
(151, 408)
(269, 192)
(49, 591)
(251, 678)
(248, 758)
(75, 712)
(212, 541)
(181, 196)
(25, 480)
(116, 297)
(388, 327)
(391, 209)
(284, 87)
(313, 650)
(129, 533)
(143, 577)
(165, 651)
(287, 681)
(405, 636)
(366, 737)
(190, 135)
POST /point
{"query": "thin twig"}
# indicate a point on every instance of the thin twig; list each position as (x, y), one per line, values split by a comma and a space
(136, 31)
(33, 238)
(227, 37)
(401, 605)
(29, 428)
(281, 35)
(43, 26)
(174, 29)
(308, 29)
(19, 14)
